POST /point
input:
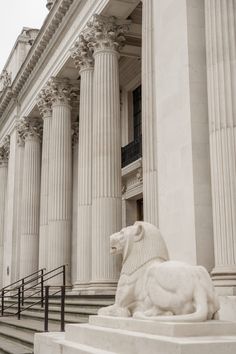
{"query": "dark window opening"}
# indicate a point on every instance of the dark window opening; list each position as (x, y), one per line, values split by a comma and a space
(133, 151)
(140, 209)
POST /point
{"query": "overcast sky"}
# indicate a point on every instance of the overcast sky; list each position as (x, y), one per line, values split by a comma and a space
(14, 15)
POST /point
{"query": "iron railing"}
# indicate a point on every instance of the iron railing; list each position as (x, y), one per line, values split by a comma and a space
(32, 285)
(131, 152)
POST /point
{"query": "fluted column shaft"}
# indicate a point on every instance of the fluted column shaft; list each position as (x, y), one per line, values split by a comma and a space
(106, 39)
(60, 178)
(43, 231)
(44, 105)
(84, 226)
(149, 139)
(84, 62)
(3, 190)
(29, 249)
(18, 208)
(221, 69)
(106, 214)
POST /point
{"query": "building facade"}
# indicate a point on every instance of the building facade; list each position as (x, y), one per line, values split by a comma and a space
(117, 111)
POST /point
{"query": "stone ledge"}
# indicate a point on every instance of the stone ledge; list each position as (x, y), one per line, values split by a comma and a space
(169, 329)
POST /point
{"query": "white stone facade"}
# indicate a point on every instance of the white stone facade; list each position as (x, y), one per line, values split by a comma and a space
(80, 157)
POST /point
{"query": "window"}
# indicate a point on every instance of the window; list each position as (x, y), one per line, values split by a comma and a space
(133, 151)
(140, 209)
(137, 112)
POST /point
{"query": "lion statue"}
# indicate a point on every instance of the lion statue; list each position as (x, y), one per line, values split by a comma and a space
(152, 287)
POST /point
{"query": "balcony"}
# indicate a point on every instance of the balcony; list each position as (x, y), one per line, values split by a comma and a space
(131, 152)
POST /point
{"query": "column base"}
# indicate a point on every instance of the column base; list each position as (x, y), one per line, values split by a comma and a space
(95, 288)
(224, 277)
(81, 288)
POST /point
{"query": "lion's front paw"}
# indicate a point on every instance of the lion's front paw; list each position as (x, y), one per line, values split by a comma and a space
(114, 311)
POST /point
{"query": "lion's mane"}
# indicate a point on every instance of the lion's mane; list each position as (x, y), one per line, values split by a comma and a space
(151, 246)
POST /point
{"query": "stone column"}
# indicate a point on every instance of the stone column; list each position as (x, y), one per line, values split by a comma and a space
(60, 176)
(75, 150)
(106, 38)
(19, 164)
(149, 138)
(221, 74)
(44, 105)
(29, 249)
(84, 62)
(4, 155)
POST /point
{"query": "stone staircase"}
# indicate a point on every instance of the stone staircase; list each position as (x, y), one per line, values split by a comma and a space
(17, 336)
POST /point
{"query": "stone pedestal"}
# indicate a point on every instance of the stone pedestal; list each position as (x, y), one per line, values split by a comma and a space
(129, 336)
(106, 36)
(30, 196)
(221, 75)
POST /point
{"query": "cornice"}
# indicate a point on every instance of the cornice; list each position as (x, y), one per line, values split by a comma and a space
(47, 31)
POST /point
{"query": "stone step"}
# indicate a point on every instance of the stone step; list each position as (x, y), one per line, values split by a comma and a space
(18, 335)
(21, 332)
(53, 316)
(54, 307)
(72, 301)
(11, 347)
(29, 325)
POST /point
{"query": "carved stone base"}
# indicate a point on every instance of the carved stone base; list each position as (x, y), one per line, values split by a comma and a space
(106, 288)
(128, 336)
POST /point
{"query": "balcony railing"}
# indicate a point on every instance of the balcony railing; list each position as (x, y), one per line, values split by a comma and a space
(132, 151)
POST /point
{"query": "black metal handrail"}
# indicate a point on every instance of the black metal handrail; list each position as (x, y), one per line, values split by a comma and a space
(26, 285)
(9, 288)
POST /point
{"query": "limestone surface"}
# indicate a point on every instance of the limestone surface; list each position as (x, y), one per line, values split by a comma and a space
(151, 286)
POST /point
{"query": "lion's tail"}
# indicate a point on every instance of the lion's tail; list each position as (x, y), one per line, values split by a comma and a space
(201, 313)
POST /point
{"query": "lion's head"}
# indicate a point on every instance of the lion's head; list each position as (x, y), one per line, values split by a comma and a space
(138, 244)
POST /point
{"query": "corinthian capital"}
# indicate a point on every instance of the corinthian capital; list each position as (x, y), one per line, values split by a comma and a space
(107, 32)
(44, 102)
(62, 91)
(5, 150)
(29, 128)
(82, 54)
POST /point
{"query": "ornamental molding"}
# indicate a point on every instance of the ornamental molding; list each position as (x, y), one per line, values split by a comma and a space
(50, 26)
(132, 179)
(5, 80)
(62, 91)
(29, 128)
(81, 54)
(50, 4)
(104, 33)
